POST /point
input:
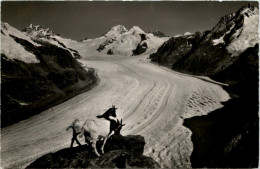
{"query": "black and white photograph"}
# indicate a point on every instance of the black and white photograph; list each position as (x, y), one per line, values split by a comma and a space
(129, 84)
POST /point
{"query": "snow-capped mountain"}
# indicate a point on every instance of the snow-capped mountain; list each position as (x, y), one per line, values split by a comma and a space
(214, 51)
(238, 31)
(120, 41)
(13, 50)
(115, 30)
(38, 33)
(36, 74)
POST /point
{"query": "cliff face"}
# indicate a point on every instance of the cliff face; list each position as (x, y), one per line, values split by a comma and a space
(36, 76)
(120, 152)
(175, 48)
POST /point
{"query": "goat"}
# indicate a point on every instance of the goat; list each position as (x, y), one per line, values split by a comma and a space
(100, 128)
(100, 124)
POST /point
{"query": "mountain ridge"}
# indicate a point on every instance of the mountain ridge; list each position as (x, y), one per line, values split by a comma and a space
(216, 49)
(36, 75)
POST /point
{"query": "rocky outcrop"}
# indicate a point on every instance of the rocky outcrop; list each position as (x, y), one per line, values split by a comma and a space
(37, 76)
(175, 48)
(36, 31)
(120, 152)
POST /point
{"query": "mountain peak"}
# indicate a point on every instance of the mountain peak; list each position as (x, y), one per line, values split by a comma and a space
(157, 33)
(248, 10)
(115, 30)
(136, 29)
(38, 31)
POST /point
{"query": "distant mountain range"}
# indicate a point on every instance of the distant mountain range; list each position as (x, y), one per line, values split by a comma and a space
(120, 41)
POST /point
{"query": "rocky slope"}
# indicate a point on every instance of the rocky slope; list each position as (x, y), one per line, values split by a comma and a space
(135, 41)
(228, 137)
(120, 152)
(36, 75)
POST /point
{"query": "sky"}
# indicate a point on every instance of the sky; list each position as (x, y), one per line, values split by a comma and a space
(86, 19)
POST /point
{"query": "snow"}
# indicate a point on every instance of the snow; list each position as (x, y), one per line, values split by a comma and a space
(151, 100)
(219, 41)
(13, 50)
(188, 33)
(24, 104)
(176, 36)
(245, 37)
(36, 31)
(119, 29)
(9, 30)
(126, 41)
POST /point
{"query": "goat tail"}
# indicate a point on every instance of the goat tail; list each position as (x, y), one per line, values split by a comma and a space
(82, 130)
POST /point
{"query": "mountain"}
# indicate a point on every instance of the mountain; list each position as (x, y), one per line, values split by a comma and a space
(120, 152)
(157, 33)
(227, 137)
(37, 74)
(120, 41)
(213, 51)
(38, 33)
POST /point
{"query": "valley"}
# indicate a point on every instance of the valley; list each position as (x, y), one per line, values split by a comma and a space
(151, 101)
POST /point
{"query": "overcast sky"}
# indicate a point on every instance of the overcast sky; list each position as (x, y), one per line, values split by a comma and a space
(78, 20)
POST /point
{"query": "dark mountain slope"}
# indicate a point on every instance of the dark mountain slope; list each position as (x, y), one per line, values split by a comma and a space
(31, 87)
(216, 50)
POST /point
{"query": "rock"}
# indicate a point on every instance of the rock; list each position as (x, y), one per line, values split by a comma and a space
(129, 143)
(120, 152)
(141, 48)
(176, 48)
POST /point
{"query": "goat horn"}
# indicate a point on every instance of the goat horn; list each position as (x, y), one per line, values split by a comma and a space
(121, 121)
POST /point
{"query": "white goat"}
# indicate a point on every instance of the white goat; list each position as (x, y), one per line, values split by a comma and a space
(96, 128)
(102, 126)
